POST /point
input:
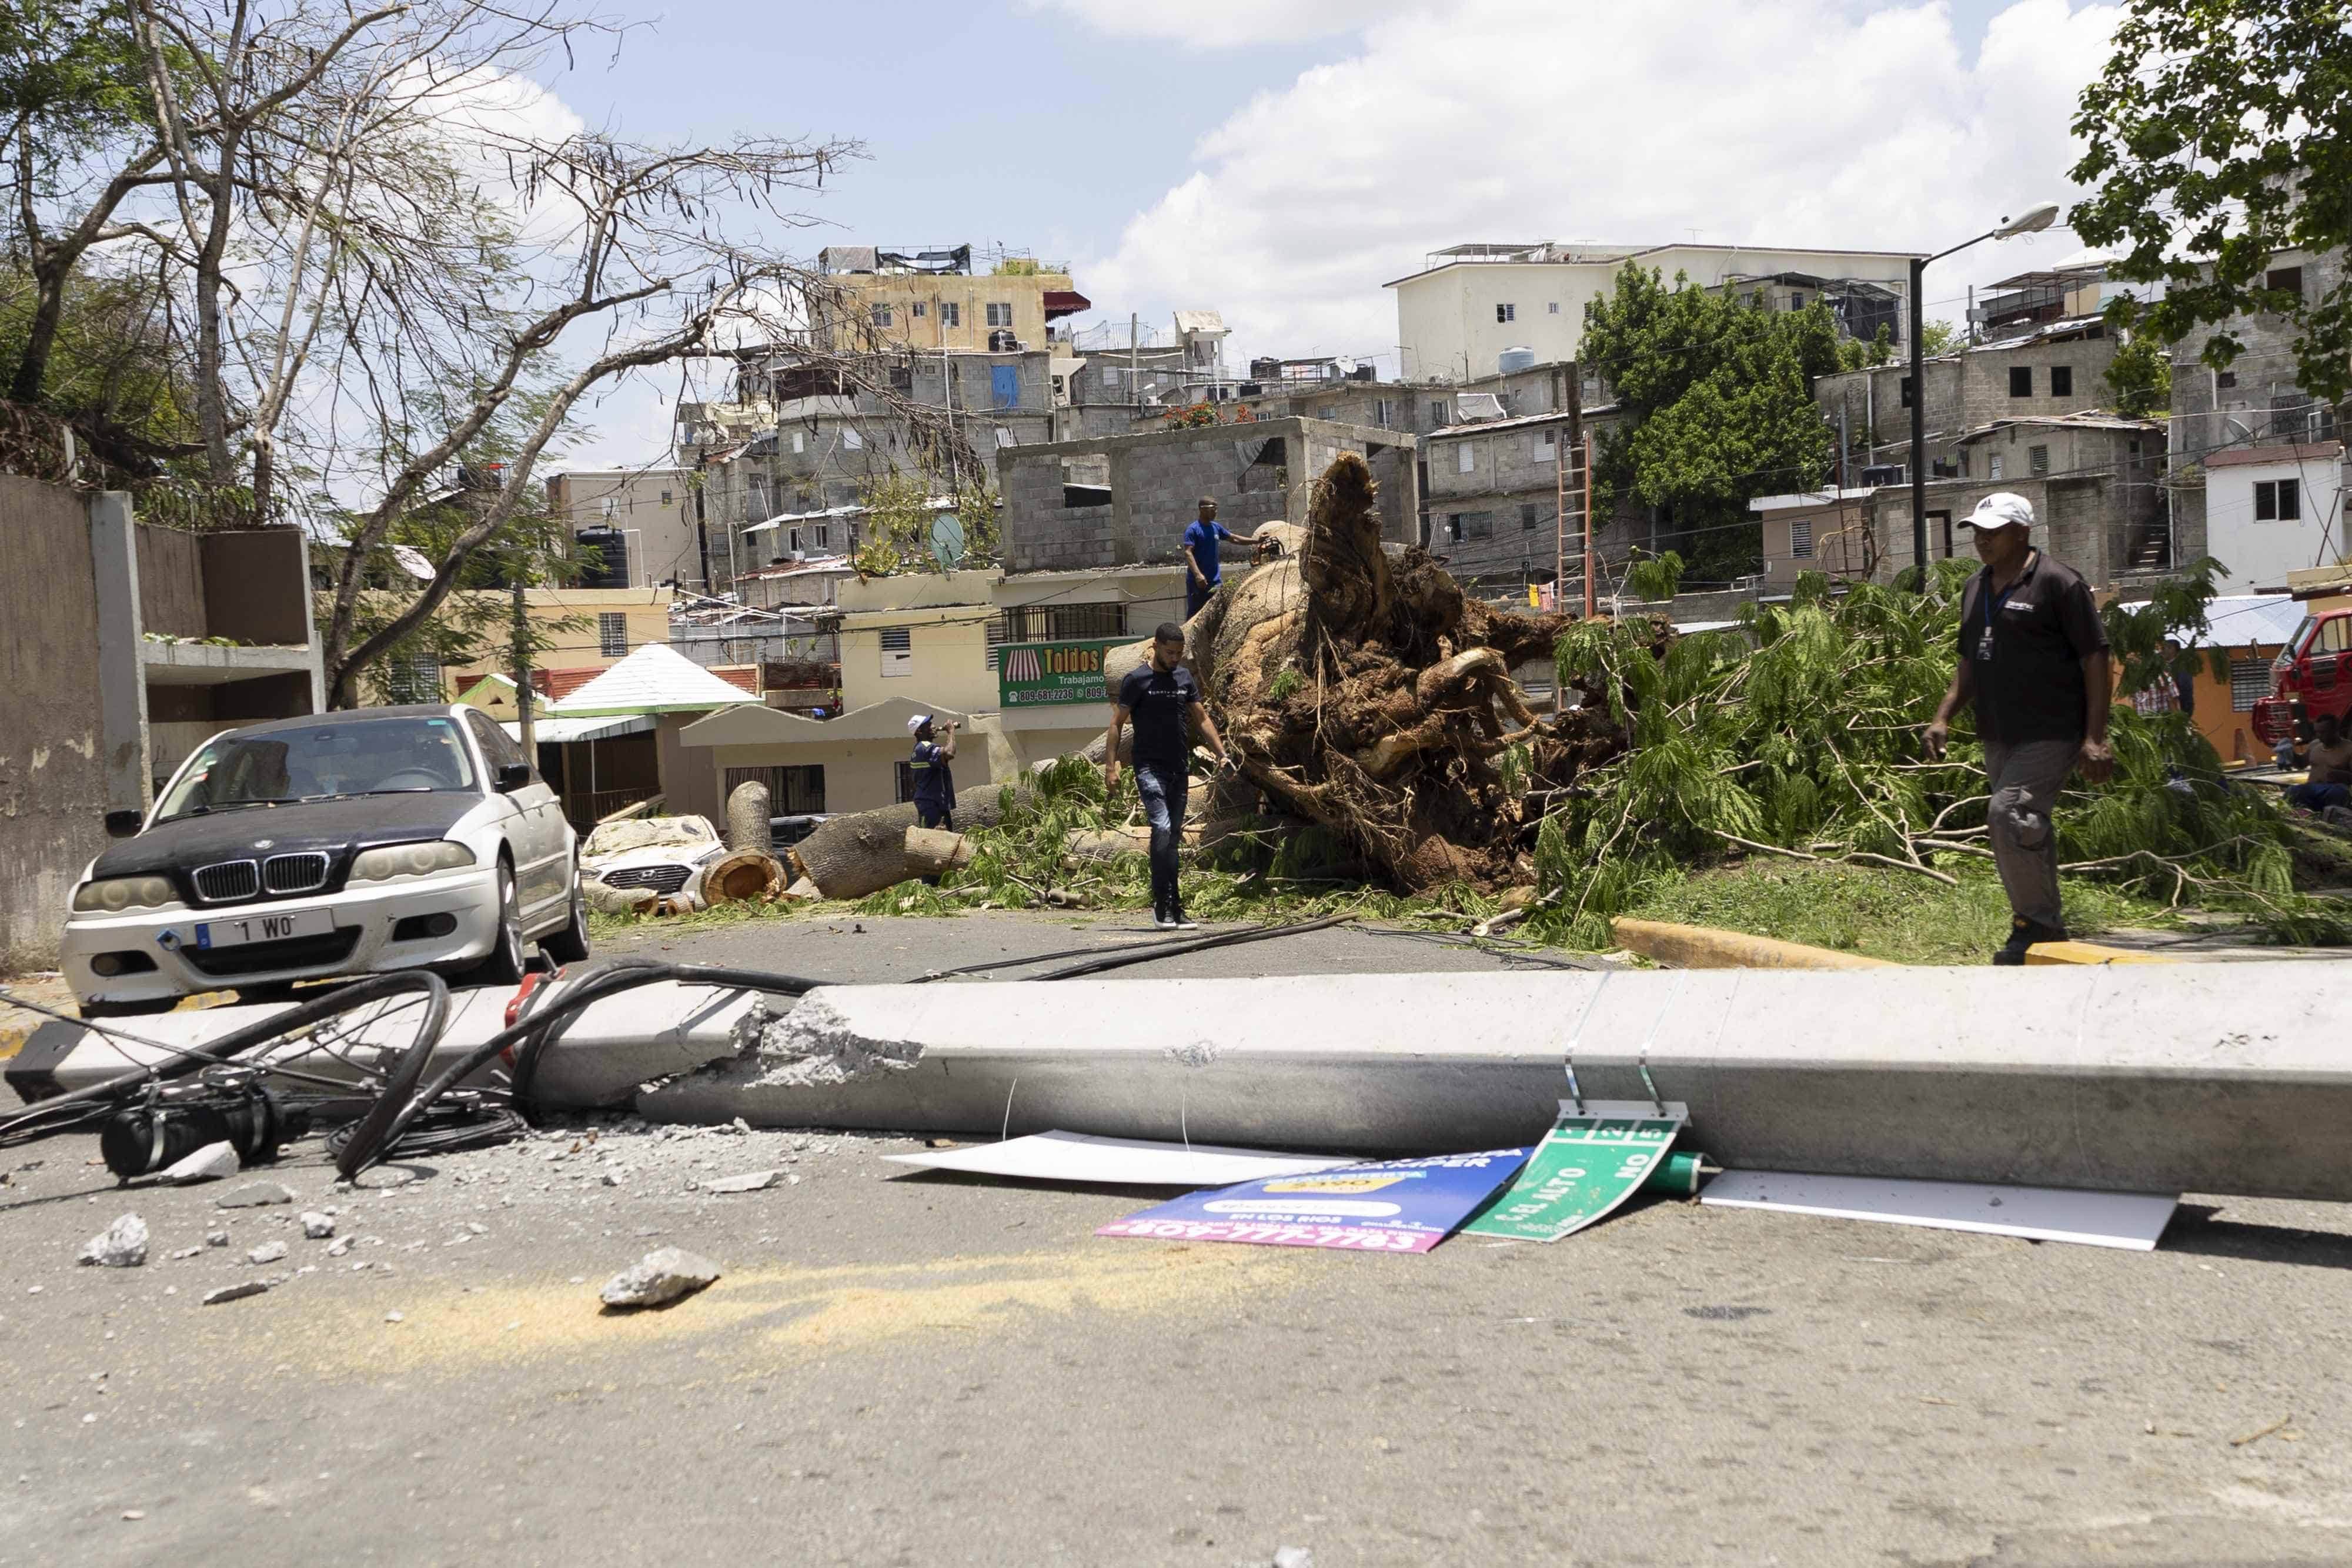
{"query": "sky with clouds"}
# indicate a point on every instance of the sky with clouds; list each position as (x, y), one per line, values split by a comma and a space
(1280, 159)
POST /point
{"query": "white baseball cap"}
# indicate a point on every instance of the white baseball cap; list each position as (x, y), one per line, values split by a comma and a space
(918, 722)
(2001, 509)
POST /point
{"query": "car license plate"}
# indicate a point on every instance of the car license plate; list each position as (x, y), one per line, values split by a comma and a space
(211, 934)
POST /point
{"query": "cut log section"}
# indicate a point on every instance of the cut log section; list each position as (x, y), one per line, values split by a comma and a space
(745, 874)
(931, 850)
(865, 852)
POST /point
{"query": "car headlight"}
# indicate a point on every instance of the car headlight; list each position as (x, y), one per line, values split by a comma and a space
(116, 894)
(410, 860)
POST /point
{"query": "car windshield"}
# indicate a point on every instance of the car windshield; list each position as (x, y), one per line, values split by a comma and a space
(318, 762)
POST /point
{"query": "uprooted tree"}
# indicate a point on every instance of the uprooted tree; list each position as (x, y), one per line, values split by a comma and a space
(1365, 694)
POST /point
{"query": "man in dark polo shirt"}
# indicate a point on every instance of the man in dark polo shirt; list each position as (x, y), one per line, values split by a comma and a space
(1160, 696)
(2033, 661)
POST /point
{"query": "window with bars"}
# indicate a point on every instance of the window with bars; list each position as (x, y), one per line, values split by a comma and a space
(612, 634)
(1506, 313)
(2250, 682)
(996, 641)
(1530, 514)
(1060, 623)
(881, 314)
(1800, 538)
(413, 679)
(2037, 460)
(999, 314)
(1437, 410)
(951, 314)
(792, 791)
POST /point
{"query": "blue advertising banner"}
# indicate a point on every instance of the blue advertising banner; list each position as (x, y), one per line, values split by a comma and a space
(1393, 1206)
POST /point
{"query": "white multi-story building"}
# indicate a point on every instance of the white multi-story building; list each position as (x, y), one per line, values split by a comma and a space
(1459, 314)
(2274, 509)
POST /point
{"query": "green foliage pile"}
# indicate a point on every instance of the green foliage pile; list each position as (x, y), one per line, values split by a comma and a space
(1717, 399)
(1800, 732)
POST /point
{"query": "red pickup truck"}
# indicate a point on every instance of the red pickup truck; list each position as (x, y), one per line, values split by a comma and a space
(2311, 675)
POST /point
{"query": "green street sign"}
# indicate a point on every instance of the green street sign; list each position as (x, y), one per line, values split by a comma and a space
(1033, 674)
(1585, 1166)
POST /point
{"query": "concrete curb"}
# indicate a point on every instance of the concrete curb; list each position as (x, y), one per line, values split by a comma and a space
(1705, 948)
(2088, 953)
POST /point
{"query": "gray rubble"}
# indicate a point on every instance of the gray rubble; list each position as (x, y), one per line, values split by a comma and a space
(122, 1245)
(659, 1278)
(237, 1293)
(260, 1195)
(267, 1252)
(210, 1162)
(750, 1181)
(317, 1227)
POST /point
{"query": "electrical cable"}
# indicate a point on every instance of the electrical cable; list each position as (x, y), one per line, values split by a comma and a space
(395, 1110)
(1196, 945)
(347, 998)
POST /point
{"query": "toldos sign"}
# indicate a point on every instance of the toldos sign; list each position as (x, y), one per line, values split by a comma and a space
(1029, 674)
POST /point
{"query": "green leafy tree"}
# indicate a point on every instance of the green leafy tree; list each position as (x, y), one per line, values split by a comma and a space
(2219, 134)
(1718, 395)
(896, 533)
(1937, 338)
(2140, 377)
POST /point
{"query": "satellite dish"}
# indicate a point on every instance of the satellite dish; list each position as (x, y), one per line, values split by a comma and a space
(947, 540)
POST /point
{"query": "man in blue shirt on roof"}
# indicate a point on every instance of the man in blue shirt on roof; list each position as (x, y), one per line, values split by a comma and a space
(1202, 570)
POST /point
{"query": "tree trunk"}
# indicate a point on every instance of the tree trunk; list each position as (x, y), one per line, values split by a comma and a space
(747, 817)
(865, 852)
(931, 850)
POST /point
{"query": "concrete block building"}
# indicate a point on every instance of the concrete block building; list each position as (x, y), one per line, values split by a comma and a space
(1123, 500)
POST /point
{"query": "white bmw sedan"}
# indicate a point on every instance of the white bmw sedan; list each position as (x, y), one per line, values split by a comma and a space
(340, 844)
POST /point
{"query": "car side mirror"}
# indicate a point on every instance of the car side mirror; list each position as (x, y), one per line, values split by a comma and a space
(123, 824)
(513, 775)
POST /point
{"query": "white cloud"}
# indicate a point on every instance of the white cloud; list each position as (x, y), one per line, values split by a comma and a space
(1784, 122)
(1224, 23)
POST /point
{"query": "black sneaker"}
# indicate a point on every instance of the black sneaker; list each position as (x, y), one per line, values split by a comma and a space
(1162, 919)
(1184, 921)
(2024, 933)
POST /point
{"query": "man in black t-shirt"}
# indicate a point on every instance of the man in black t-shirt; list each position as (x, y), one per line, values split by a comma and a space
(1160, 696)
(2033, 661)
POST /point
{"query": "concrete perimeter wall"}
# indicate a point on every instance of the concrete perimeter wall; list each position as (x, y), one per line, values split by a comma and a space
(52, 769)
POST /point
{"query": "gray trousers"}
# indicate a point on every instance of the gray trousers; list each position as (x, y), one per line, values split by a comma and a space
(2025, 779)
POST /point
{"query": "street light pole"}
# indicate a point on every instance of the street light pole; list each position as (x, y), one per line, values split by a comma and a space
(1918, 402)
(2032, 221)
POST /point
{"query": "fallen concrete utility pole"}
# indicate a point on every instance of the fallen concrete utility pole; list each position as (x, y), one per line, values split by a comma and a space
(2152, 1079)
(599, 1058)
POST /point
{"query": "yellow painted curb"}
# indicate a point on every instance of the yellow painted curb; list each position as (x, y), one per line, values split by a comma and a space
(1705, 948)
(2087, 953)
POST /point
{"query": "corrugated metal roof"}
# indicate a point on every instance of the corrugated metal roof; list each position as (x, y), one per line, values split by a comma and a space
(2247, 620)
(657, 678)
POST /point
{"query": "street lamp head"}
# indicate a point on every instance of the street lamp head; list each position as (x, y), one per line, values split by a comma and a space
(2033, 220)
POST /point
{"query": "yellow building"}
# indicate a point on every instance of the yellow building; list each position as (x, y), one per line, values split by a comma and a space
(582, 631)
(934, 299)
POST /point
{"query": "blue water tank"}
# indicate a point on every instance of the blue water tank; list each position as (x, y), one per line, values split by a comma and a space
(1513, 360)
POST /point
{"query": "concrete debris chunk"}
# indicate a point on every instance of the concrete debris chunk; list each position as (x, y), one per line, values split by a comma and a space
(259, 1195)
(343, 1244)
(122, 1245)
(216, 1238)
(1294, 1557)
(750, 1181)
(267, 1252)
(659, 1278)
(210, 1162)
(317, 1227)
(184, 1253)
(233, 1292)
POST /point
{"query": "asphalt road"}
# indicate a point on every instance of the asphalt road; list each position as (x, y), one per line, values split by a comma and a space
(901, 1368)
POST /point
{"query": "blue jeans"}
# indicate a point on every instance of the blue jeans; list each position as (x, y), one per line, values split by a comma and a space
(1196, 594)
(1162, 787)
(2319, 797)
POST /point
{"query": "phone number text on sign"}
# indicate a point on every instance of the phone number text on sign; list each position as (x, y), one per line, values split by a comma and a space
(1275, 1234)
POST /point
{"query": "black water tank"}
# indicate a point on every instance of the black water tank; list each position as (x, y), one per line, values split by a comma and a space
(611, 566)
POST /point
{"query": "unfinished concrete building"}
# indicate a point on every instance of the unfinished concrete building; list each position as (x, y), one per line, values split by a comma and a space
(1121, 500)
